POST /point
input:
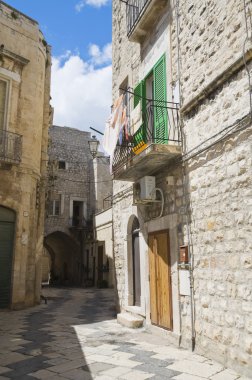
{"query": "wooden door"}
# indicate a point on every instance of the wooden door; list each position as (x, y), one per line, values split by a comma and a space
(160, 280)
(7, 228)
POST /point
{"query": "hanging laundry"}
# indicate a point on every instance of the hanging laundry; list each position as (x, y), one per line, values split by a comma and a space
(112, 129)
(136, 119)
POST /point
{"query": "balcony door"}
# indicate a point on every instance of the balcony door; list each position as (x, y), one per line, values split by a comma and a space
(7, 229)
(77, 213)
(151, 93)
(160, 280)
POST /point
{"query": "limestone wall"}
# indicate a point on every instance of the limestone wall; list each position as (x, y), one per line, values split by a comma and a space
(212, 38)
(25, 64)
(75, 182)
(216, 190)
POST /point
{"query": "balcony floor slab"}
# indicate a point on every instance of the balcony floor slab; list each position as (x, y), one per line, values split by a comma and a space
(154, 158)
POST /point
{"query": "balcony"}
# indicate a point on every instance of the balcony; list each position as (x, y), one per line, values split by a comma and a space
(141, 16)
(78, 223)
(153, 146)
(10, 147)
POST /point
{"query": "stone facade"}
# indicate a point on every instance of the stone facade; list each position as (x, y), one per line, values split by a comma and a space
(25, 71)
(207, 194)
(76, 187)
(103, 226)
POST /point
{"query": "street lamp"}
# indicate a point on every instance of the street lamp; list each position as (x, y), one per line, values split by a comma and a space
(93, 146)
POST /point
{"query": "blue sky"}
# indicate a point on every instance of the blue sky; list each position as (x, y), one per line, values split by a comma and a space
(79, 32)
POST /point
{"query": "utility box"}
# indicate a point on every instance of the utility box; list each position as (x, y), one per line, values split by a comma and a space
(183, 254)
(147, 187)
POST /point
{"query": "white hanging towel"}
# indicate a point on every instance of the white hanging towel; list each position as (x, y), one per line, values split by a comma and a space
(112, 129)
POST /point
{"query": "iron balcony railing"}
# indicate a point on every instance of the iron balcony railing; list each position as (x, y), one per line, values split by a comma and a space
(159, 125)
(107, 202)
(76, 222)
(135, 10)
(10, 147)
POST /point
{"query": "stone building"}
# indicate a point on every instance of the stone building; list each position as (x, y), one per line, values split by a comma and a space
(182, 173)
(24, 120)
(77, 185)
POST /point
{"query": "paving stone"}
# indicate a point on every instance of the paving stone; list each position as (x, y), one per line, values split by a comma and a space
(68, 366)
(12, 357)
(41, 374)
(204, 370)
(139, 375)
(78, 374)
(97, 367)
(4, 370)
(227, 374)
(186, 376)
(116, 372)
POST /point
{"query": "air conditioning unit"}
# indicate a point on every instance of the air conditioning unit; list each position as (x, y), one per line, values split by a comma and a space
(144, 190)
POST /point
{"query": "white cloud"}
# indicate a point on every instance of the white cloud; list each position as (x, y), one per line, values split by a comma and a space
(93, 3)
(81, 92)
(100, 56)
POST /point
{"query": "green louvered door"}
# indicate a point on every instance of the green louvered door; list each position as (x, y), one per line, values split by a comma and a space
(160, 110)
(7, 229)
(140, 137)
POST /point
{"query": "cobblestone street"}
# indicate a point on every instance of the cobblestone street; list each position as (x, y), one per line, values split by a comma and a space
(75, 336)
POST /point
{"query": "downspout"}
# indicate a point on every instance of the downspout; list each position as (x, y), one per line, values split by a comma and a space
(184, 190)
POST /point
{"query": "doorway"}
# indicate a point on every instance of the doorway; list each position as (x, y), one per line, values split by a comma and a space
(7, 231)
(100, 264)
(160, 280)
(77, 214)
(136, 264)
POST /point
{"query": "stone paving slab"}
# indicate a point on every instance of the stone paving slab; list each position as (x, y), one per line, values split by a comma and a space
(76, 337)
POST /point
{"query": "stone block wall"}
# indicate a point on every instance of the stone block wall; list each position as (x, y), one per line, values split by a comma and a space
(216, 190)
(25, 64)
(76, 180)
(215, 102)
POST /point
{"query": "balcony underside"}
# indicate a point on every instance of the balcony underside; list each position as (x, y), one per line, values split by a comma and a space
(147, 17)
(151, 160)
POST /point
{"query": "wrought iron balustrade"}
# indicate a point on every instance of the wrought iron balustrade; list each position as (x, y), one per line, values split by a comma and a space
(10, 147)
(159, 125)
(76, 222)
(135, 9)
(107, 202)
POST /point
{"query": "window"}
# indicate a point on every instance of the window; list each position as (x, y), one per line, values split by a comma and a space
(62, 165)
(54, 208)
(3, 102)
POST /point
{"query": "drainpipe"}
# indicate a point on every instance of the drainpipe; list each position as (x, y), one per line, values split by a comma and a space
(184, 191)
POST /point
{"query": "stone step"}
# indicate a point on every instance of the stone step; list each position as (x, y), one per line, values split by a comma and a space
(130, 320)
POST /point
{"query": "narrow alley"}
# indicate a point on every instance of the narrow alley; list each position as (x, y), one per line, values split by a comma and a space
(76, 336)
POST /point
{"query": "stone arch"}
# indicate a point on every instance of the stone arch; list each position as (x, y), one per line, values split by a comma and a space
(133, 262)
(65, 258)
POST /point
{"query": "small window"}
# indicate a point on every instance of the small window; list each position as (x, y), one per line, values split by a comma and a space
(3, 102)
(62, 165)
(54, 208)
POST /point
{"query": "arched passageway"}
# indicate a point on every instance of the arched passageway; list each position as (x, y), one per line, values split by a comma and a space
(65, 263)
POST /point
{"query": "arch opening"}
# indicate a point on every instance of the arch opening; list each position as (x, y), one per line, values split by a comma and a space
(7, 236)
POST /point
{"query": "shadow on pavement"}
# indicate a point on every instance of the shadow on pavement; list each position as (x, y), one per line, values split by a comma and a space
(50, 346)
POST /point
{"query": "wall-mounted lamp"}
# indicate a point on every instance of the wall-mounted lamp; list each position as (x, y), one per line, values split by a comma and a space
(93, 146)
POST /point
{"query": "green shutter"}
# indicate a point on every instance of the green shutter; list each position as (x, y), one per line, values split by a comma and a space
(140, 137)
(160, 110)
